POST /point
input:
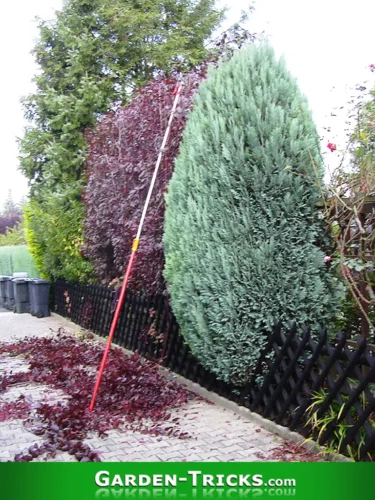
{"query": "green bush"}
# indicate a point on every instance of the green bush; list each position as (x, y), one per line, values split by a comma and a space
(14, 236)
(14, 259)
(54, 237)
(241, 226)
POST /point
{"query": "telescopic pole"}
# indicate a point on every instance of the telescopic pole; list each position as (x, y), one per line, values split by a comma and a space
(135, 245)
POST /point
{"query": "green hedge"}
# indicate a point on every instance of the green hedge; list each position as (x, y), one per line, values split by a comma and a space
(14, 259)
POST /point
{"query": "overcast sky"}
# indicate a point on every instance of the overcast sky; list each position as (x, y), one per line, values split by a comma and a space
(326, 43)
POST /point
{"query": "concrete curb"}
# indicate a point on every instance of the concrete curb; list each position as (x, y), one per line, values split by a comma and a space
(266, 424)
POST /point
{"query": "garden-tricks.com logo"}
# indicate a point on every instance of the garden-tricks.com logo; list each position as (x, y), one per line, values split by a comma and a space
(208, 485)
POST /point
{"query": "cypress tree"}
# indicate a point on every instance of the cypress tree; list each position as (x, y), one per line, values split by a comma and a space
(241, 223)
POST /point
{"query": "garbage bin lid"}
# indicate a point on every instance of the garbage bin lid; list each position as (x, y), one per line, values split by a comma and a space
(20, 275)
(39, 281)
(20, 280)
(5, 278)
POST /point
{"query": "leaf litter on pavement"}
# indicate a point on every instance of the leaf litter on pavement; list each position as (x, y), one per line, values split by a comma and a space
(133, 395)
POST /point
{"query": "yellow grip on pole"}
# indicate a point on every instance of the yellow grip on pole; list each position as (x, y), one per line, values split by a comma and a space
(135, 244)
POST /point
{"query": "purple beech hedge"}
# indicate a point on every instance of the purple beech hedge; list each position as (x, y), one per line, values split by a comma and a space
(123, 150)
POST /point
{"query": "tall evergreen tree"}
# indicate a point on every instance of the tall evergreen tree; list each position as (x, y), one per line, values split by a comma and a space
(241, 224)
(10, 207)
(92, 57)
(10, 214)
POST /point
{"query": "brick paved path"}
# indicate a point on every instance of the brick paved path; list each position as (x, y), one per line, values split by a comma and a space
(217, 434)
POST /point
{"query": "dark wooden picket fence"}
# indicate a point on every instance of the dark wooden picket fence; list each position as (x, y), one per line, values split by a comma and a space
(301, 369)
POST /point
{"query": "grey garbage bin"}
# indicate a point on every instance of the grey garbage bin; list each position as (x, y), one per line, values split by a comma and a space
(3, 292)
(9, 297)
(21, 295)
(39, 297)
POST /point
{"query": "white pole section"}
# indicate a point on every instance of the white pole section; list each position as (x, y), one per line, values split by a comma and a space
(153, 180)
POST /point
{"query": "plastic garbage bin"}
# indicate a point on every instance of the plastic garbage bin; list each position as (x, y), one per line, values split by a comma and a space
(3, 292)
(21, 295)
(39, 297)
(9, 298)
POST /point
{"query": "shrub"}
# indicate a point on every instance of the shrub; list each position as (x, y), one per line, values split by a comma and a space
(349, 212)
(34, 245)
(123, 149)
(8, 222)
(14, 236)
(241, 224)
(55, 240)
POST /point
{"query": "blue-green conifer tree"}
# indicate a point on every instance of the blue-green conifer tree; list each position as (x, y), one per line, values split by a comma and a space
(241, 221)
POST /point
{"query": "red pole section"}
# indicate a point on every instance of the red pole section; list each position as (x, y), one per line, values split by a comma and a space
(113, 327)
(134, 250)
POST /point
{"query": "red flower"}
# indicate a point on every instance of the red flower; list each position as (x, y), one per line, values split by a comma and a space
(331, 147)
(372, 67)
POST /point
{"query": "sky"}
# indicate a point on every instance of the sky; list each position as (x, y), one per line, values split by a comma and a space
(17, 39)
(328, 45)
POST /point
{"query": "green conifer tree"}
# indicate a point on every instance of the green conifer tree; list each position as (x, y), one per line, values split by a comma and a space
(241, 223)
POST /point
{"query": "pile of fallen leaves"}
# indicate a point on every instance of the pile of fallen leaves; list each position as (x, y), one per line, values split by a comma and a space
(133, 394)
(291, 452)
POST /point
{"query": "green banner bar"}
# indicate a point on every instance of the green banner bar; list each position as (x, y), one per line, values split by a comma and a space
(65, 481)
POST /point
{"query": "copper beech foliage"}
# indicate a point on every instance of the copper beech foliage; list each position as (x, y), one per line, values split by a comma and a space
(133, 395)
(123, 150)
